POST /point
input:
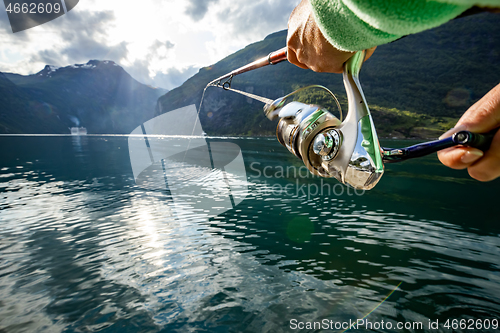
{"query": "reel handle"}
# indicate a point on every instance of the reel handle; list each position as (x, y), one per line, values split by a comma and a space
(480, 141)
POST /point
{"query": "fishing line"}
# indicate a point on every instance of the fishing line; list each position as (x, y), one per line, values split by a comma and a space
(375, 308)
(256, 97)
(196, 120)
(211, 84)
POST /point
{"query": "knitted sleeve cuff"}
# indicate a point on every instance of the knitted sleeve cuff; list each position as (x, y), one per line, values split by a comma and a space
(353, 25)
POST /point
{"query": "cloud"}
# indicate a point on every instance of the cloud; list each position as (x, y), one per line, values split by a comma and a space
(83, 37)
(167, 79)
(159, 50)
(157, 45)
(146, 69)
(49, 57)
(198, 8)
(256, 18)
(237, 23)
(174, 77)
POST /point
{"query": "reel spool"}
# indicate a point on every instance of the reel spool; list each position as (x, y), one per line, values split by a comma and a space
(347, 150)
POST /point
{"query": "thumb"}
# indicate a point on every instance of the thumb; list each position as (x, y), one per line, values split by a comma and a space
(369, 52)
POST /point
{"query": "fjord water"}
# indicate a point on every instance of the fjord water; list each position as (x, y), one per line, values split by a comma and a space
(82, 248)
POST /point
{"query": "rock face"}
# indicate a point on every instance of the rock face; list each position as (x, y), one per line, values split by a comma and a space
(98, 95)
(425, 80)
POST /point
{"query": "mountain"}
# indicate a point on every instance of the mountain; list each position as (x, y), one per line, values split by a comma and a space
(19, 115)
(417, 86)
(98, 95)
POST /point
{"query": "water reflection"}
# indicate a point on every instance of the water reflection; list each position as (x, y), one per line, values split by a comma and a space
(80, 143)
(84, 248)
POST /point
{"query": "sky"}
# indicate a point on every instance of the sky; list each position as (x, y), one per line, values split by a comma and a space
(159, 42)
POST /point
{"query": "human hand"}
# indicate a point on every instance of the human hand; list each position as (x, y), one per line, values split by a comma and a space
(308, 48)
(482, 117)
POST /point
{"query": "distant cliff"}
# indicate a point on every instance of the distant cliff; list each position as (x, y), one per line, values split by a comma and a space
(98, 95)
(416, 87)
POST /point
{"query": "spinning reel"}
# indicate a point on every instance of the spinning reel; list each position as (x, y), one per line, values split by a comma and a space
(347, 149)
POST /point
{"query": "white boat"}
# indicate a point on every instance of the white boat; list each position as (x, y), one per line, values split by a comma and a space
(78, 131)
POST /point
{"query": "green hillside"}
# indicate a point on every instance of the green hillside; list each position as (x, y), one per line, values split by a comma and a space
(19, 113)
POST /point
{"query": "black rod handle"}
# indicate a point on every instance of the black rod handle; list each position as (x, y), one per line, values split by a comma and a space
(475, 140)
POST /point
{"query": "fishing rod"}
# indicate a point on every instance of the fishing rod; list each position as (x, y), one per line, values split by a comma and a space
(271, 59)
(346, 149)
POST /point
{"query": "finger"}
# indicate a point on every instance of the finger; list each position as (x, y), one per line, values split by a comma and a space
(294, 42)
(369, 52)
(487, 168)
(459, 157)
(292, 58)
(324, 65)
(321, 66)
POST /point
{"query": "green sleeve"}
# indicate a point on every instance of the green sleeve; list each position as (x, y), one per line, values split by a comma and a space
(353, 25)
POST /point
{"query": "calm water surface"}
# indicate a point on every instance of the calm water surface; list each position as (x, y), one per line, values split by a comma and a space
(83, 248)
